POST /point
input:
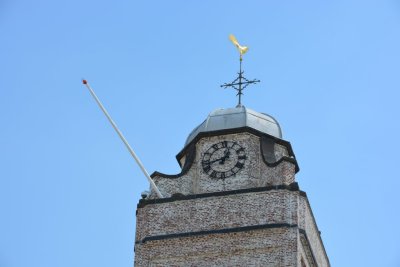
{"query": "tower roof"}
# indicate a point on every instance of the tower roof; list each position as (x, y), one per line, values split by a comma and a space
(221, 119)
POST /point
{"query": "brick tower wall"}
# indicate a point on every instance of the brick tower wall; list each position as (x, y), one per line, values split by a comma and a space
(270, 226)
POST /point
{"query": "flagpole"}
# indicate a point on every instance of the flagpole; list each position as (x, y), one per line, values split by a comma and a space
(152, 184)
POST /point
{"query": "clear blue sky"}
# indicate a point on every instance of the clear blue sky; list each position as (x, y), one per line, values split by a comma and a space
(329, 73)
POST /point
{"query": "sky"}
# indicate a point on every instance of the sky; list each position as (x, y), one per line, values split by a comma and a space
(69, 188)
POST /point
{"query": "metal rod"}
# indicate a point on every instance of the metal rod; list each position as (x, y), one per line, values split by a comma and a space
(153, 185)
(240, 82)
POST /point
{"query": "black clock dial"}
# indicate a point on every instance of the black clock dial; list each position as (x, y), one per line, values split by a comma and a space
(223, 159)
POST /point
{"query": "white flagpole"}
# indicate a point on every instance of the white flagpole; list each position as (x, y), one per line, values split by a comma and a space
(153, 185)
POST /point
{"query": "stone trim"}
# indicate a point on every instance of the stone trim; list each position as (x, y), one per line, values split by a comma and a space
(316, 225)
(285, 143)
(179, 197)
(307, 248)
(190, 151)
(191, 154)
(219, 231)
(266, 141)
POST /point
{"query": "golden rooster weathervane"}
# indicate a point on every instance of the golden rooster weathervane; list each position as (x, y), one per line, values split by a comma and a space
(242, 49)
(240, 82)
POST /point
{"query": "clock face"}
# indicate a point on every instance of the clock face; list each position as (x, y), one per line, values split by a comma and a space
(223, 159)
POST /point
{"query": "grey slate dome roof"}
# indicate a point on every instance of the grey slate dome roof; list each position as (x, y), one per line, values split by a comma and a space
(221, 119)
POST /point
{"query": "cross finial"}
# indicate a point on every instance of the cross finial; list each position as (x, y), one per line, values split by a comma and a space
(240, 83)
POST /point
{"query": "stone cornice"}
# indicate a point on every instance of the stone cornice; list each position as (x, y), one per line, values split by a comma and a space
(285, 143)
(219, 231)
(179, 197)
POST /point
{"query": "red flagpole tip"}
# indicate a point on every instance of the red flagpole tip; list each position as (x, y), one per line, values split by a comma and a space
(84, 81)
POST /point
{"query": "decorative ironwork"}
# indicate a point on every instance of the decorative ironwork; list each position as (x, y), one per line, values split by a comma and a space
(241, 82)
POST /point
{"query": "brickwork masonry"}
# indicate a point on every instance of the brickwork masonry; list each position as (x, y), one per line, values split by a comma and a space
(207, 220)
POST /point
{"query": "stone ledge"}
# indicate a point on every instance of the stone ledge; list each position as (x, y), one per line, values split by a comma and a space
(178, 197)
(219, 231)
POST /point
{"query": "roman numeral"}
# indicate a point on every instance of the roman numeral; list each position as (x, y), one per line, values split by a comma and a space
(213, 174)
(206, 156)
(205, 162)
(240, 150)
(239, 165)
(206, 168)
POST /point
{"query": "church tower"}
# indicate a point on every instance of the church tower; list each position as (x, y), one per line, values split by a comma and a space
(235, 202)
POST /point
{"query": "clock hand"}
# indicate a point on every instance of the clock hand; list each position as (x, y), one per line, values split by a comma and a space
(215, 160)
(226, 156)
(221, 159)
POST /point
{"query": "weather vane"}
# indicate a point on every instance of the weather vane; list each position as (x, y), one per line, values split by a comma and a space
(240, 83)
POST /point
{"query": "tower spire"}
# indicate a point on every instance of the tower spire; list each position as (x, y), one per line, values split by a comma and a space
(241, 82)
